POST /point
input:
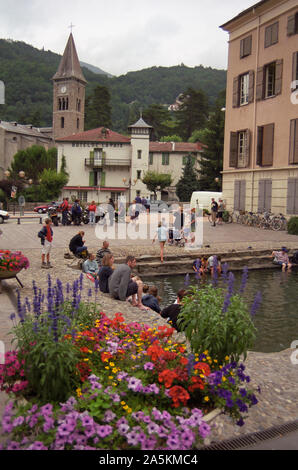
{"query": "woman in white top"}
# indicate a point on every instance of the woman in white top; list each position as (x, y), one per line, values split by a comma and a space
(162, 233)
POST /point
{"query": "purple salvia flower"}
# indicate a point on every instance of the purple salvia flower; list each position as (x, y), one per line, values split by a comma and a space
(225, 269)
(191, 363)
(256, 303)
(243, 279)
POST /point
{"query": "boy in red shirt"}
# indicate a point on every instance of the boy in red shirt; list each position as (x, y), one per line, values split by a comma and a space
(92, 209)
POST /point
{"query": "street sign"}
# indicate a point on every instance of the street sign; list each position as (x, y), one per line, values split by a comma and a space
(21, 201)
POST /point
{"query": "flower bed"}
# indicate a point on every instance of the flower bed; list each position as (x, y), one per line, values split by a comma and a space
(93, 382)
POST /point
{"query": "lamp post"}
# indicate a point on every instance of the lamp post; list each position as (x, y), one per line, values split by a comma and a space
(29, 181)
(217, 181)
(129, 185)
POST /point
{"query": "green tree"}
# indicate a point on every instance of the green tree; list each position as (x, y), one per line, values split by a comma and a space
(156, 181)
(157, 116)
(98, 110)
(188, 182)
(33, 161)
(193, 112)
(211, 163)
(170, 138)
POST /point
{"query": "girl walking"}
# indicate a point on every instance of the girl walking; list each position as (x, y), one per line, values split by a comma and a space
(162, 234)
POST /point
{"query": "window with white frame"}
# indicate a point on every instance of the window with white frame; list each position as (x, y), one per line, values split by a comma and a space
(270, 71)
(244, 88)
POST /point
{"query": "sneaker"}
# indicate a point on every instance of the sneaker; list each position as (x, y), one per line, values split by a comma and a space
(49, 265)
(44, 265)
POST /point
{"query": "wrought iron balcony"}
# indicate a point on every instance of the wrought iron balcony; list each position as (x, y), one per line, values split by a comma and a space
(117, 162)
(94, 162)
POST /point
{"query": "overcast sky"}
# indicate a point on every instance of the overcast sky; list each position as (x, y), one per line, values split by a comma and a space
(126, 35)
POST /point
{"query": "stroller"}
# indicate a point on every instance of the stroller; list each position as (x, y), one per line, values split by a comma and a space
(176, 237)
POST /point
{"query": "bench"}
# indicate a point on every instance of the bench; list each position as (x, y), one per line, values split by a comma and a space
(19, 218)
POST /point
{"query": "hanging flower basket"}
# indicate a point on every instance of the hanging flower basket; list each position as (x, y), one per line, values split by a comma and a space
(11, 263)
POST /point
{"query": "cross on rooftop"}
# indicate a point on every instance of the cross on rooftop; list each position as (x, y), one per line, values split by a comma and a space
(71, 26)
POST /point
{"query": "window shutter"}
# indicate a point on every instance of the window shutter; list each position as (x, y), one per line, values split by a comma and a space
(291, 25)
(261, 198)
(260, 145)
(294, 84)
(268, 195)
(247, 149)
(103, 179)
(260, 84)
(237, 195)
(242, 195)
(236, 92)
(291, 196)
(268, 141)
(163, 159)
(293, 156)
(278, 76)
(267, 36)
(233, 149)
(251, 85)
(241, 48)
(274, 33)
(91, 178)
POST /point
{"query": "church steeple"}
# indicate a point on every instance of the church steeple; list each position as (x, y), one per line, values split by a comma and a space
(69, 94)
(69, 65)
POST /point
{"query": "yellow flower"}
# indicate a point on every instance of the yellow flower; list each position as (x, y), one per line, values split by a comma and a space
(79, 392)
(215, 360)
(111, 364)
(86, 360)
(202, 376)
(125, 407)
(123, 403)
(206, 398)
(224, 379)
(129, 410)
(227, 358)
(111, 377)
(114, 370)
(107, 367)
(205, 352)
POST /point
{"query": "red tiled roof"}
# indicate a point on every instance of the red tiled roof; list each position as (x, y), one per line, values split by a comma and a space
(175, 147)
(96, 135)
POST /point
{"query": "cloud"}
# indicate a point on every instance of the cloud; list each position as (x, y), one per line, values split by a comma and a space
(119, 36)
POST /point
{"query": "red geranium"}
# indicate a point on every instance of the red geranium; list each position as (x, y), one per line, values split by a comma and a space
(167, 376)
(203, 367)
(179, 396)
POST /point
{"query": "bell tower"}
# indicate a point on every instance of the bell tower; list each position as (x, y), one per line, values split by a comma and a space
(68, 94)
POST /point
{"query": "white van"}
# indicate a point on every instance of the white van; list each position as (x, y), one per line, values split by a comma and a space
(203, 199)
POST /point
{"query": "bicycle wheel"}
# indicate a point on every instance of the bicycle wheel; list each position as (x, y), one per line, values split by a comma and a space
(276, 224)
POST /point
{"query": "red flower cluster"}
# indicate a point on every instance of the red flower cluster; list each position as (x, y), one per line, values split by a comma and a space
(167, 376)
(179, 396)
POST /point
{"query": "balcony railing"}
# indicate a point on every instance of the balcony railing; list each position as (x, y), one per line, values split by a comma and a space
(117, 162)
(100, 162)
(94, 162)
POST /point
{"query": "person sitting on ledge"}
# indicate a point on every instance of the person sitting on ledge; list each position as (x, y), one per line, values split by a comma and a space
(105, 272)
(121, 286)
(77, 244)
(151, 299)
(282, 258)
(90, 266)
(172, 311)
(210, 263)
(105, 250)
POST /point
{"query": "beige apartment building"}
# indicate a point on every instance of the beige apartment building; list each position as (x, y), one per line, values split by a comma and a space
(260, 170)
(104, 164)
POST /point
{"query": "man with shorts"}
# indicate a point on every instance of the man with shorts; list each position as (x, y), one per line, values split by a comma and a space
(121, 286)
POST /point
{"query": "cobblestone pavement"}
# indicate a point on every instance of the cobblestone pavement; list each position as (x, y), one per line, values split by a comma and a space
(273, 373)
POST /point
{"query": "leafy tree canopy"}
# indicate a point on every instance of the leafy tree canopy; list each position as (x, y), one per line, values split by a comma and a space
(33, 161)
(156, 181)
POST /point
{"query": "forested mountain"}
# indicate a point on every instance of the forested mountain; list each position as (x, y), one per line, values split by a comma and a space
(27, 73)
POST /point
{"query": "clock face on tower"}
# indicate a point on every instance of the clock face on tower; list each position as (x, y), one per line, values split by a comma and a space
(63, 89)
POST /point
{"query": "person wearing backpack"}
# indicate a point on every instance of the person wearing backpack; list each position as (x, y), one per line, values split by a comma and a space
(64, 209)
(46, 236)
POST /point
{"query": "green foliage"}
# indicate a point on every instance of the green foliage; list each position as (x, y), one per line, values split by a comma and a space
(98, 109)
(293, 226)
(33, 161)
(193, 112)
(170, 138)
(212, 157)
(156, 181)
(157, 116)
(27, 72)
(188, 182)
(207, 327)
